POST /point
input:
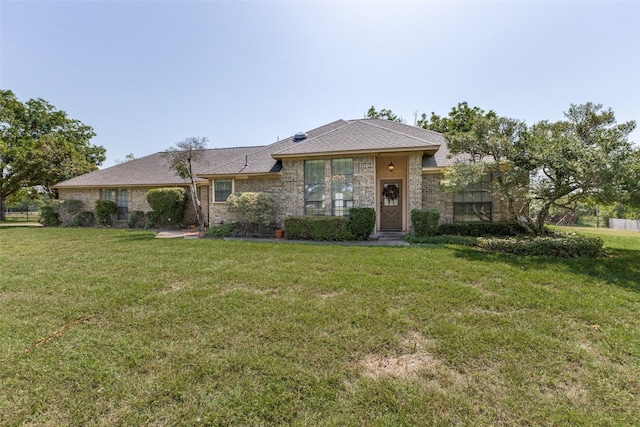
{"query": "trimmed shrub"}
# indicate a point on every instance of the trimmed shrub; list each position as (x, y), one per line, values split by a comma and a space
(480, 229)
(105, 210)
(254, 212)
(361, 223)
(67, 210)
(425, 221)
(49, 217)
(443, 240)
(84, 219)
(136, 219)
(557, 246)
(221, 230)
(304, 227)
(168, 206)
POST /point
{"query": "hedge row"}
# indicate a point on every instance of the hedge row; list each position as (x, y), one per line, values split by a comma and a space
(331, 228)
(560, 246)
(556, 246)
(480, 229)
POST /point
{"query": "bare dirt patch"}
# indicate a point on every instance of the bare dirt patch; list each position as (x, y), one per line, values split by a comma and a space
(416, 355)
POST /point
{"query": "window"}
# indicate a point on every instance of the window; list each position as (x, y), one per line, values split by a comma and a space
(222, 189)
(474, 203)
(122, 200)
(105, 194)
(314, 187)
(341, 186)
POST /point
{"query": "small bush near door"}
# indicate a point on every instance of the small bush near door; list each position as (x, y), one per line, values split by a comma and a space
(362, 221)
(425, 221)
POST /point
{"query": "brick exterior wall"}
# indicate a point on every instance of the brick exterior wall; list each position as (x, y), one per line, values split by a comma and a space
(136, 200)
(364, 182)
(414, 186)
(434, 198)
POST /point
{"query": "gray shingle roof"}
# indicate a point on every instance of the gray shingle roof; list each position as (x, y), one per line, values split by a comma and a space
(366, 135)
(152, 170)
(348, 136)
(261, 161)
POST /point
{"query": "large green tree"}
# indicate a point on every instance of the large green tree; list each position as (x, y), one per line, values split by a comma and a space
(586, 156)
(41, 146)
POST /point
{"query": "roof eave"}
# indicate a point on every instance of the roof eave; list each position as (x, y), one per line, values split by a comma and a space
(344, 153)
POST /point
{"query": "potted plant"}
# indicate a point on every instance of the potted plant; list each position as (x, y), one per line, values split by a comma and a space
(279, 233)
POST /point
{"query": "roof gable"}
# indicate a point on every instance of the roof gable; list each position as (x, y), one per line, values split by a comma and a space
(365, 135)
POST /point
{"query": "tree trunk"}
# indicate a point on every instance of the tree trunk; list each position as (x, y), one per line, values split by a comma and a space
(2, 214)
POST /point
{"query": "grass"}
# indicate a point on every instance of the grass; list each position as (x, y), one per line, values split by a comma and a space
(114, 327)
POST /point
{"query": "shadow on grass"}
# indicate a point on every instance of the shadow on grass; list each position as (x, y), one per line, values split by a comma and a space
(621, 267)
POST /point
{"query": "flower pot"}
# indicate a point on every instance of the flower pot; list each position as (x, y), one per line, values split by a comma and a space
(279, 233)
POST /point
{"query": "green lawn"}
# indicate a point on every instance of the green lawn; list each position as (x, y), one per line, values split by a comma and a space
(114, 327)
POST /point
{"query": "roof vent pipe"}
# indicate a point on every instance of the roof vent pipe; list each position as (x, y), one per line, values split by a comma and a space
(299, 136)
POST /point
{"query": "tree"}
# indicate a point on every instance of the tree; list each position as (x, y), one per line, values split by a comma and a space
(41, 146)
(127, 158)
(461, 119)
(587, 156)
(182, 158)
(372, 113)
(491, 145)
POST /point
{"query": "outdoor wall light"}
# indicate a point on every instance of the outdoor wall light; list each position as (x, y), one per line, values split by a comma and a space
(391, 165)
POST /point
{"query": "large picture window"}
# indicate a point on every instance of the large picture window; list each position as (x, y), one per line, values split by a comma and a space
(474, 203)
(314, 187)
(341, 186)
(222, 189)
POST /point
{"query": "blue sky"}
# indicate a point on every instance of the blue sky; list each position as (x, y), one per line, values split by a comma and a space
(147, 74)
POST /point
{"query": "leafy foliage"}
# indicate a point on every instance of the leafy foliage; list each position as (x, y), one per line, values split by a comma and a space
(168, 206)
(480, 229)
(586, 156)
(136, 219)
(221, 230)
(254, 212)
(446, 239)
(461, 118)
(554, 246)
(105, 210)
(327, 228)
(362, 222)
(49, 216)
(84, 219)
(182, 158)
(425, 222)
(41, 146)
(372, 113)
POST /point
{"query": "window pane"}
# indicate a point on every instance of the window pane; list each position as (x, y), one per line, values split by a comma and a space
(222, 189)
(314, 187)
(474, 203)
(122, 200)
(341, 186)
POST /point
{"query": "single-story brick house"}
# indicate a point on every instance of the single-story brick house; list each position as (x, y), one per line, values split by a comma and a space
(392, 167)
